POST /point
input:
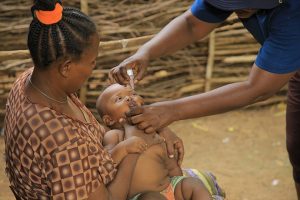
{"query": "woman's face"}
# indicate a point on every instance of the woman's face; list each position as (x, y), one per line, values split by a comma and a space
(82, 69)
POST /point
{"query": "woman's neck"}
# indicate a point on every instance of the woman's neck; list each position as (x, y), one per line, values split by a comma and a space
(46, 83)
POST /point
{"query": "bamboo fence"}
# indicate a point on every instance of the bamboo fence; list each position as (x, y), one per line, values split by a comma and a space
(224, 57)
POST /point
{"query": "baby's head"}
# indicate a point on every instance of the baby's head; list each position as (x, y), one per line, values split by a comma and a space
(114, 102)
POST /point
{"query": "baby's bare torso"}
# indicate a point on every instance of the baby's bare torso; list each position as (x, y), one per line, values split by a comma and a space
(151, 172)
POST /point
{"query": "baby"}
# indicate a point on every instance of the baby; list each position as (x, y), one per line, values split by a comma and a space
(154, 171)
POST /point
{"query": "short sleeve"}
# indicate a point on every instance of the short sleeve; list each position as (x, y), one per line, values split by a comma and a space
(208, 13)
(280, 53)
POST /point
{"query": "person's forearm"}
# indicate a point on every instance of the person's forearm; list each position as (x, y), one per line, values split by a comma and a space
(220, 100)
(259, 86)
(119, 187)
(179, 33)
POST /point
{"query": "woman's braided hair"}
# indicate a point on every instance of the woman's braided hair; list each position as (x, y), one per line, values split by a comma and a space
(68, 37)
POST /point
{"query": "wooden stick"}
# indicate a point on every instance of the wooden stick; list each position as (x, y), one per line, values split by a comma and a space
(17, 54)
(239, 59)
(84, 6)
(124, 43)
(82, 93)
(105, 46)
(85, 9)
(210, 61)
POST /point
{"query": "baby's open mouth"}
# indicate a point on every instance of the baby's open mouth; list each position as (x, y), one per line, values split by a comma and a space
(132, 105)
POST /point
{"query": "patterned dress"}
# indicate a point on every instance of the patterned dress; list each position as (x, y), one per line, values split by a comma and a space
(50, 155)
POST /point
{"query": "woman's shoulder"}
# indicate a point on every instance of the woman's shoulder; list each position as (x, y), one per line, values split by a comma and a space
(17, 89)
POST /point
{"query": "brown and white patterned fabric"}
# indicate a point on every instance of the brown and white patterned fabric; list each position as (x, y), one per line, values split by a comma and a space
(50, 155)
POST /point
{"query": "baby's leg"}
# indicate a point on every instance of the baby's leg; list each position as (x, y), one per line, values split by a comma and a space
(151, 196)
(191, 189)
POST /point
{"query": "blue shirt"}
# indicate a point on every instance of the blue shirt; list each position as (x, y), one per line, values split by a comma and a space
(277, 30)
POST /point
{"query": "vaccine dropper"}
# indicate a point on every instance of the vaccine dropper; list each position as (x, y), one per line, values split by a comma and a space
(131, 77)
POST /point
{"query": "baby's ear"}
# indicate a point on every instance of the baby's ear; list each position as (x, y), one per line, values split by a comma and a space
(143, 102)
(108, 121)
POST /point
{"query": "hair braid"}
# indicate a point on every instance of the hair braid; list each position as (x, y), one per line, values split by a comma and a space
(68, 37)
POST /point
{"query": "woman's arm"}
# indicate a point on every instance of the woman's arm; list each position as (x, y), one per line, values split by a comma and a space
(119, 187)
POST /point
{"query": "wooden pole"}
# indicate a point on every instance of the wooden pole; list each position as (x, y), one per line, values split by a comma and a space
(124, 43)
(16, 54)
(84, 6)
(104, 46)
(239, 59)
(210, 61)
(83, 90)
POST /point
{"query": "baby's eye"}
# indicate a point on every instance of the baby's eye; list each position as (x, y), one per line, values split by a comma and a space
(118, 99)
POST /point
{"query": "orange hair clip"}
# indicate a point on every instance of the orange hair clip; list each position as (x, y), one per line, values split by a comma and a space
(50, 17)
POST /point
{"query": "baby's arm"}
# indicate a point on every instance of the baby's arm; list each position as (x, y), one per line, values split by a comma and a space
(119, 149)
(111, 143)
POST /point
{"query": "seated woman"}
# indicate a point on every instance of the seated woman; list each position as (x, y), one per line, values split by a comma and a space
(53, 144)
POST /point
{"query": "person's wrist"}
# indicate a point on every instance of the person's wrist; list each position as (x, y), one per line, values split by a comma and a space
(174, 114)
(146, 52)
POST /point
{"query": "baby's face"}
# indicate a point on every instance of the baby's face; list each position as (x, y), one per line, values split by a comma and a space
(119, 100)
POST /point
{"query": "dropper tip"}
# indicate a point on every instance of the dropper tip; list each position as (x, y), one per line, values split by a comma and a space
(131, 76)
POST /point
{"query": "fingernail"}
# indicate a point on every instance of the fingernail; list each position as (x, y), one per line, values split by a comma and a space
(171, 156)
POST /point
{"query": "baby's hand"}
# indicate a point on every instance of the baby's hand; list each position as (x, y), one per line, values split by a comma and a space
(135, 145)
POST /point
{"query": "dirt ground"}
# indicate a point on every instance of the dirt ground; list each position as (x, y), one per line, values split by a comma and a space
(244, 149)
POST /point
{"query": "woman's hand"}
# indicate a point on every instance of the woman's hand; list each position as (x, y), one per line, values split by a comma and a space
(135, 145)
(152, 117)
(138, 62)
(174, 144)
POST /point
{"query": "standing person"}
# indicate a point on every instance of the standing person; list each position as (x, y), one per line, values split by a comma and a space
(53, 143)
(275, 24)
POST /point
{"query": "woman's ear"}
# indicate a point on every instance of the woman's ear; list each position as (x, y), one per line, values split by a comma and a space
(108, 121)
(65, 68)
